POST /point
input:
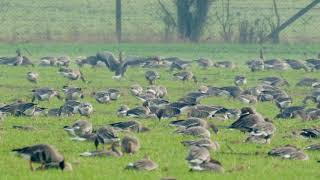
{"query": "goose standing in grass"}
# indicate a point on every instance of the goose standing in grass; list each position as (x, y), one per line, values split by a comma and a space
(145, 164)
(132, 125)
(32, 77)
(79, 130)
(43, 154)
(44, 94)
(257, 64)
(130, 144)
(73, 107)
(20, 109)
(102, 97)
(211, 166)
(289, 152)
(167, 112)
(113, 152)
(185, 76)
(151, 76)
(105, 135)
(248, 119)
(240, 80)
(203, 142)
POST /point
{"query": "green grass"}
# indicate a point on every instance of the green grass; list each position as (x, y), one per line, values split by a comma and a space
(161, 144)
(93, 20)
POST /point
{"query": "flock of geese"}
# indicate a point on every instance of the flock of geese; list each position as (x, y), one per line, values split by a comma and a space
(259, 129)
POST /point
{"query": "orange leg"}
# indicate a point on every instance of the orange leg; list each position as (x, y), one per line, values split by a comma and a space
(31, 167)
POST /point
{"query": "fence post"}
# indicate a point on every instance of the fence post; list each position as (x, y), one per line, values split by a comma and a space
(118, 20)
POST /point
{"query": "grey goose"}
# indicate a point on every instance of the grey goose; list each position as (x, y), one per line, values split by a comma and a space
(41, 153)
(197, 155)
(79, 130)
(248, 119)
(131, 125)
(197, 131)
(32, 77)
(130, 144)
(203, 142)
(113, 152)
(105, 135)
(185, 76)
(204, 63)
(193, 122)
(288, 152)
(72, 93)
(151, 76)
(240, 80)
(145, 164)
(44, 94)
(210, 166)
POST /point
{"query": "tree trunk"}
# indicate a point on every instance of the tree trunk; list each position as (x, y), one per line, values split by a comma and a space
(118, 20)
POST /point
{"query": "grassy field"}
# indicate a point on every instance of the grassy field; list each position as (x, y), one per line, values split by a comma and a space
(93, 20)
(161, 144)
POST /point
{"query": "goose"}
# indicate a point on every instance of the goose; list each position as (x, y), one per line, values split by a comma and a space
(211, 165)
(85, 109)
(194, 122)
(93, 61)
(48, 61)
(32, 77)
(204, 142)
(79, 130)
(204, 111)
(130, 144)
(194, 131)
(145, 164)
(240, 80)
(197, 155)
(19, 109)
(310, 132)
(288, 152)
(274, 81)
(63, 61)
(151, 76)
(232, 91)
(41, 153)
(177, 63)
(313, 147)
(247, 119)
(185, 76)
(131, 125)
(15, 61)
(225, 64)
(167, 112)
(283, 102)
(141, 111)
(262, 130)
(136, 89)
(248, 99)
(72, 74)
(105, 135)
(310, 114)
(204, 63)
(276, 64)
(122, 111)
(257, 64)
(308, 82)
(297, 64)
(44, 94)
(71, 107)
(314, 96)
(72, 93)
(102, 97)
(290, 112)
(114, 94)
(114, 152)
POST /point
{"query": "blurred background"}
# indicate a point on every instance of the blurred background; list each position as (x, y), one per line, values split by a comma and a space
(230, 21)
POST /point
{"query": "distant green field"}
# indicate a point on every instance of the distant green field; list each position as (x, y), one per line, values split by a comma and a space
(93, 20)
(161, 144)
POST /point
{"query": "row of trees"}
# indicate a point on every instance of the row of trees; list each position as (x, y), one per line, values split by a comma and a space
(189, 18)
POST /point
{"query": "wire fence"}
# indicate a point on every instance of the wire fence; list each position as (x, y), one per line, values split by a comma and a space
(94, 21)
